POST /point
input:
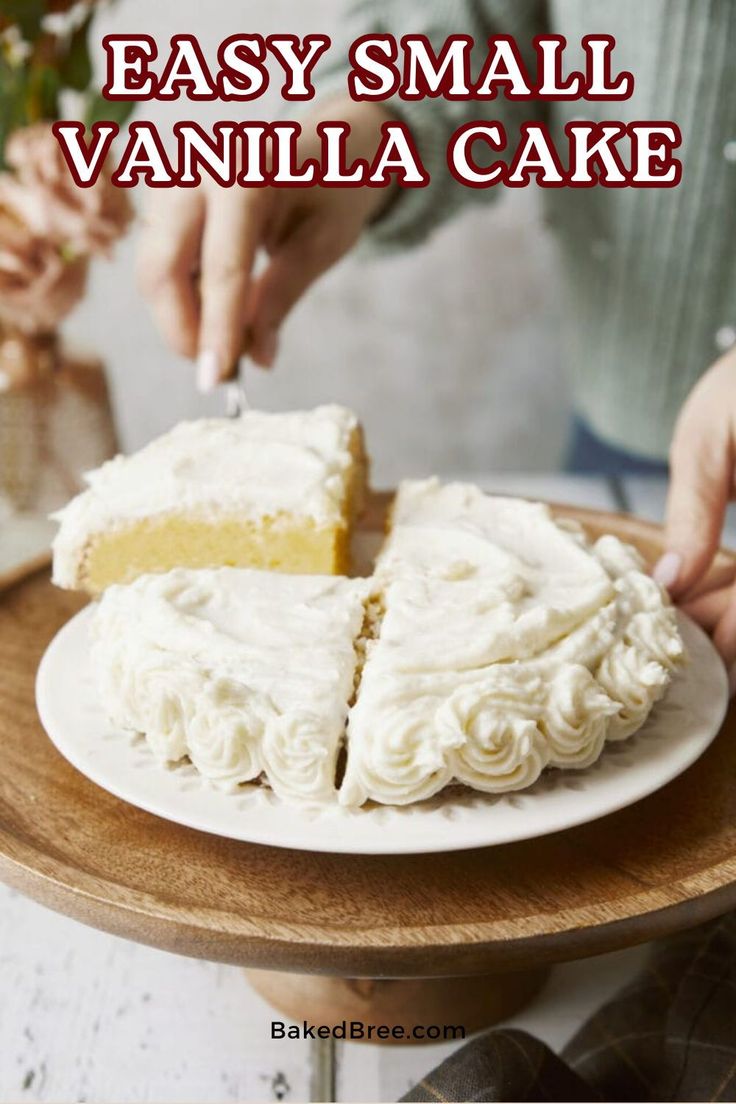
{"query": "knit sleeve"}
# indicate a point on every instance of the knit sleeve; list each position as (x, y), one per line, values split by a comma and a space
(416, 212)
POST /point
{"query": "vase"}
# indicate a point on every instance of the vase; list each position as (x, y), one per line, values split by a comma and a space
(56, 421)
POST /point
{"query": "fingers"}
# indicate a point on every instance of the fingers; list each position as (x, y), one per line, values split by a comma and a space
(701, 470)
(724, 638)
(167, 260)
(231, 238)
(298, 260)
(720, 575)
(708, 609)
(716, 613)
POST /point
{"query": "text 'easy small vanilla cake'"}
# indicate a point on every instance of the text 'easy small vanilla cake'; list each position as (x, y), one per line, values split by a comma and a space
(247, 673)
(276, 491)
(507, 643)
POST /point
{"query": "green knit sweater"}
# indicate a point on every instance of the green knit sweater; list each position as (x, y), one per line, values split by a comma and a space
(649, 274)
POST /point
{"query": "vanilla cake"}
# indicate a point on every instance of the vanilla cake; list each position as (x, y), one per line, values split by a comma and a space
(247, 673)
(507, 643)
(276, 491)
(492, 642)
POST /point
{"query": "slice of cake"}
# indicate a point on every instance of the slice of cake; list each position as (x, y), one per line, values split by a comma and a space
(507, 643)
(248, 673)
(274, 491)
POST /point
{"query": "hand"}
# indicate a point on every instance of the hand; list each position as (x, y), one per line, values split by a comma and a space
(702, 463)
(199, 246)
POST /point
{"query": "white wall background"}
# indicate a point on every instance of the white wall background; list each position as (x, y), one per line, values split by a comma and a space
(449, 353)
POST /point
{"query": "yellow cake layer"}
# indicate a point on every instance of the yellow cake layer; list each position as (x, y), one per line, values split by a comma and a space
(148, 536)
(159, 544)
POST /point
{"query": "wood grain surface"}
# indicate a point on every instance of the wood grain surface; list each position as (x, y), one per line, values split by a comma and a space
(666, 863)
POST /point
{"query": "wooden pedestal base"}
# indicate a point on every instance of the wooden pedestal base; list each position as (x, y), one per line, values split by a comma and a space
(470, 1002)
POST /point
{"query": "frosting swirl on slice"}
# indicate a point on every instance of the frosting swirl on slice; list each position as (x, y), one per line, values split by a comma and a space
(224, 731)
(496, 722)
(300, 766)
(402, 755)
(577, 718)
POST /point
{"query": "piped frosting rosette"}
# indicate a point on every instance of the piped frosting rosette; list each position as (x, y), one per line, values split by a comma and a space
(496, 728)
(298, 761)
(577, 718)
(396, 755)
(638, 667)
(225, 731)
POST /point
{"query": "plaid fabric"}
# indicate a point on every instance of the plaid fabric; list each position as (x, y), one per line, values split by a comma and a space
(502, 1065)
(670, 1035)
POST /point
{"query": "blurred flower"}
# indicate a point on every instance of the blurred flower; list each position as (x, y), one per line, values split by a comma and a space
(38, 287)
(13, 47)
(82, 220)
(65, 16)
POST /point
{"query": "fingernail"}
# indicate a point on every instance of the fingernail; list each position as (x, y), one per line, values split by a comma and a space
(208, 375)
(732, 681)
(667, 569)
(269, 347)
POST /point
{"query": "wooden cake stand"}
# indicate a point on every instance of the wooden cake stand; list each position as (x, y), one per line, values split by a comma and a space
(418, 935)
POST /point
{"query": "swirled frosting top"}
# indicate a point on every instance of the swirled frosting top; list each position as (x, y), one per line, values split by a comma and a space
(473, 579)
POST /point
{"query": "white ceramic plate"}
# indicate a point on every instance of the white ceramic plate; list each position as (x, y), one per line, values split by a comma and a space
(677, 733)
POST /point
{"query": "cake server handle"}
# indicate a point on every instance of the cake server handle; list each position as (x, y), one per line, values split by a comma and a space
(236, 398)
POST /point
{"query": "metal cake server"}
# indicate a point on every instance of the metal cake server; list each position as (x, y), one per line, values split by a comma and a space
(236, 398)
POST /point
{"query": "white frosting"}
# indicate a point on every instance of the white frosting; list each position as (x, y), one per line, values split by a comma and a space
(509, 644)
(257, 465)
(246, 672)
(496, 725)
(491, 578)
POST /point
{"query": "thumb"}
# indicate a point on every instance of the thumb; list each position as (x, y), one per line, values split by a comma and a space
(701, 472)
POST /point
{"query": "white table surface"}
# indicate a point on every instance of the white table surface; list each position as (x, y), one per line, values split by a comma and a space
(88, 1016)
